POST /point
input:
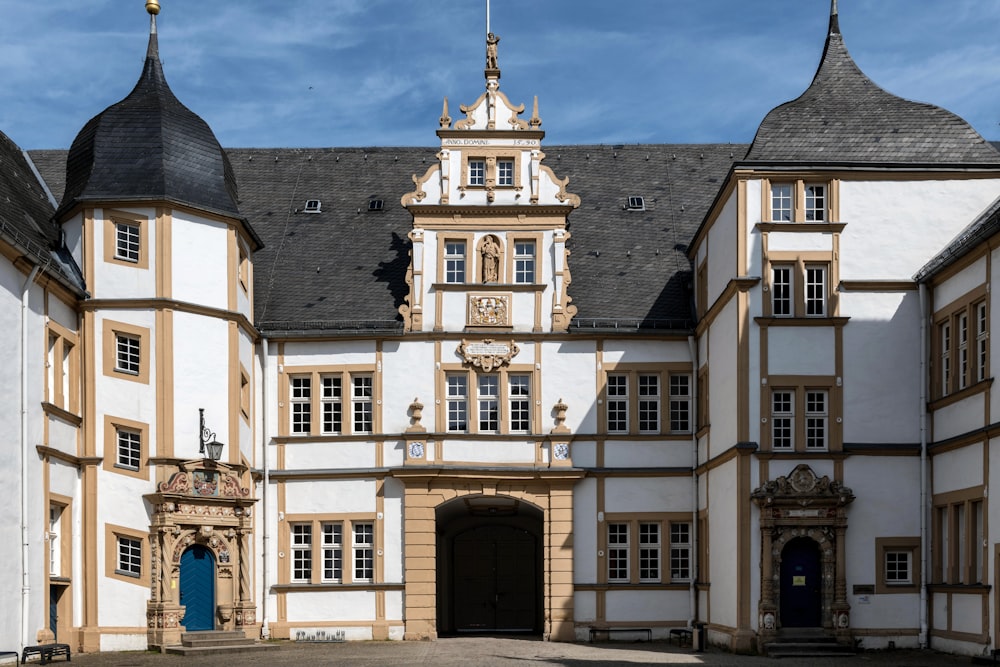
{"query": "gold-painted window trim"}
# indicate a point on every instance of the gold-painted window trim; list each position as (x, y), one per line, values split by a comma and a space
(112, 219)
(799, 385)
(884, 545)
(111, 535)
(799, 184)
(315, 373)
(633, 371)
(112, 330)
(347, 522)
(503, 398)
(111, 426)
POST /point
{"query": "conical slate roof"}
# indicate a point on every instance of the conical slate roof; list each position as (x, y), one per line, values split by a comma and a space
(147, 147)
(843, 117)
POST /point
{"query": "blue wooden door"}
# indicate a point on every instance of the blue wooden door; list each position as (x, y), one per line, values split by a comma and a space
(801, 593)
(198, 588)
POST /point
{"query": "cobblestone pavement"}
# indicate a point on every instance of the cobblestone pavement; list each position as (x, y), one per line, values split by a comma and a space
(506, 651)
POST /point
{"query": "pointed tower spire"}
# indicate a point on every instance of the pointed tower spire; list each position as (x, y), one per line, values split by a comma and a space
(834, 18)
(153, 50)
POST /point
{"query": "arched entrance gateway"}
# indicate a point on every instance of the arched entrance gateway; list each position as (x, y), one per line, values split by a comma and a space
(803, 521)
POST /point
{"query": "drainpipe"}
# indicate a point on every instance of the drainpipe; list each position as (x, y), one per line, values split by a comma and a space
(265, 629)
(25, 551)
(924, 380)
(693, 589)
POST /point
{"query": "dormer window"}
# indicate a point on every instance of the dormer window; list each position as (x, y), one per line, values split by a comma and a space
(313, 206)
(375, 204)
(799, 201)
(477, 172)
(636, 203)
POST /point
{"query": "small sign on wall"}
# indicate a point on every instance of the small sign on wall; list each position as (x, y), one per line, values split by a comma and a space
(799, 580)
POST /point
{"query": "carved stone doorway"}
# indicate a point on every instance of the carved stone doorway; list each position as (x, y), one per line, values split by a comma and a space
(802, 514)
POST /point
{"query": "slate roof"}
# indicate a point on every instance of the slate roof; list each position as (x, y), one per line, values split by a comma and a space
(149, 146)
(343, 270)
(843, 117)
(25, 217)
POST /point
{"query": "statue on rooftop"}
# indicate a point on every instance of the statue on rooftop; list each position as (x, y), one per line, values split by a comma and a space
(491, 51)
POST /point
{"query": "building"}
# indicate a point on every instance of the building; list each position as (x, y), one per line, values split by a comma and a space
(553, 389)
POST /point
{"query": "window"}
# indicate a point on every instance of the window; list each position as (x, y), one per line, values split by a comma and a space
(897, 568)
(962, 344)
(816, 419)
(636, 203)
(815, 207)
(649, 552)
(798, 201)
(454, 262)
(243, 268)
(301, 552)
(799, 416)
(959, 553)
(618, 551)
(375, 204)
(477, 172)
(799, 286)
(63, 368)
(634, 402)
(896, 565)
(244, 393)
(782, 414)
(127, 354)
(505, 173)
(333, 553)
(944, 331)
(364, 551)
(815, 291)
(129, 557)
(617, 392)
(313, 206)
(680, 551)
(361, 402)
(680, 403)
(129, 449)
(981, 338)
(501, 403)
(331, 406)
(649, 403)
(781, 202)
(301, 404)
(781, 291)
(55, 546)
(635, 551)
(524, 262)
(127, 241)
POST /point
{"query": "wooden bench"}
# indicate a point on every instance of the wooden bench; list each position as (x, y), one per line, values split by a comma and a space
(10, 654)
(607, 632)
(45, 652)
(683, 636)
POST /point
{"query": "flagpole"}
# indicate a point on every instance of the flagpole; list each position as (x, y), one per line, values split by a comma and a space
(487, 17)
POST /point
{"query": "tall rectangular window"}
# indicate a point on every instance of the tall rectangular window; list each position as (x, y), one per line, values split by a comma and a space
(55, 531)
(618, 550)
(301, 549)
(944, 332)
(333, 551)
(458, 406)
(127, 242)
(361, 403)
(816, 419)
(981, 341)
(782, 414)
(519, 398)
(617, 400)
(505, 173)
(781, 291)
(781, 202)
(331, 404)
(489, 403)
(649, 552)
(477, 172)
(524, 262)
(127, 354)
(129, 448)
(815, 290)
(680, 403)
(454, 262)
(129, 557)
(649, 403)
(680, 552)
(301, 404)
(815, 208)
(364, 551)
(962, 325)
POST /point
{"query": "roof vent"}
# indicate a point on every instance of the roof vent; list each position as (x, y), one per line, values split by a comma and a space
(375, 204)
(635, 203)
(313, 206)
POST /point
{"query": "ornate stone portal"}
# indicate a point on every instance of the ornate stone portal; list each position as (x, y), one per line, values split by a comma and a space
(210, 504)
(804, 505)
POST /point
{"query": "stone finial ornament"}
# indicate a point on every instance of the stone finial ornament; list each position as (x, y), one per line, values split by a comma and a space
(560, 409)
(445, 119)
(416, 414)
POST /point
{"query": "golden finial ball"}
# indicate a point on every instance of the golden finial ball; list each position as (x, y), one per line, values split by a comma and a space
(153, 7)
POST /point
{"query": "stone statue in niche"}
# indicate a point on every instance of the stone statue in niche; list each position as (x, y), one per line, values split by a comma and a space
(491, 260)
(491, 51)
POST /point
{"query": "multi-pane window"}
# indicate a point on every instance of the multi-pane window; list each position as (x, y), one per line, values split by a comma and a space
(618, 551)
(332, 551)
(489, 403)
(680, 403)
(301, 549)
(457, 402)
(129, 448)
(505, 172)
(782, 415)
(815, 204)
(300, 401)
(944, 336)
(781, 290)
(981, 338)
(816, 419)
(962, 325)
(649, 552)
(781, 202)
(898, 567)
(127, 353)
(958, 546)
(454, 262)
(477, 172)
(649, 403)
(364, 551)
(127, 241)
(524, 262)
(815, 290)
(361, 403)
(519, 399)
(617, 400)
(55, 525)
(962, 345)
(680, 551)
(331, 404)
(129, 557)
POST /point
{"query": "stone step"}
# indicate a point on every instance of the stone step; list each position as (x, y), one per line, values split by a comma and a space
(807, 649)
(218, 650)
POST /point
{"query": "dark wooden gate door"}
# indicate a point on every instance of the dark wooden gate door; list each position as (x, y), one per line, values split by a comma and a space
(495, 587)
(801, 587)
(198, 588)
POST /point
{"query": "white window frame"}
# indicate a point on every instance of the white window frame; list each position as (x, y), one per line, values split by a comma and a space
(331, 400)
(455, 253)
(680, 551)
(128, 447)
(128, 239)
(363, 550)
(300, 404)
(128, 353)
(519, 402)
(650, 552)
(783, 290)
(524, 262)
(782, 202)
(300, 546)
(648, 390)
(817, 415)
(783, 419)
(815, 204)
(332, 551)
(488, 402)
(505, 173)
(457, 402)
(362, 403)
(962, 325)
(129, 560)
(617, 402)
(619, 541)
(477, 172)
(944, 332)
(982, 338)
(680, 401)
(815, 290)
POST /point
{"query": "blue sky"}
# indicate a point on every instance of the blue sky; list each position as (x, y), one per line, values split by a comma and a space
(315, 73)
